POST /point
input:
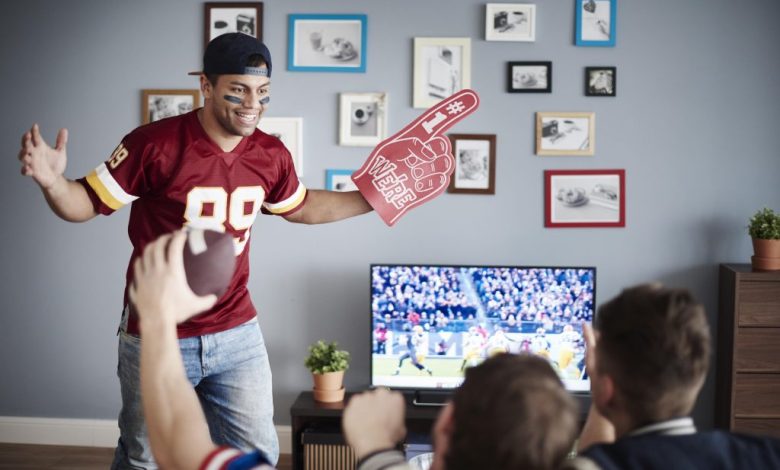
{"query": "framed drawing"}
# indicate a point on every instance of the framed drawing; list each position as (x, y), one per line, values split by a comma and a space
(242, 17)
(510, 22)
(327, 43)
(442, 66)
(290, 131)
(595, 22)
(585, 198)
(362, 119)
(475, 164)
(160, 104)
(529, 77)
(565, 133)
(600, 81)
(339, 180)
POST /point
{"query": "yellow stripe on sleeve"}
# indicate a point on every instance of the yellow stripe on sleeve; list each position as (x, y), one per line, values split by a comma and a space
(295, 202)
(103, 193)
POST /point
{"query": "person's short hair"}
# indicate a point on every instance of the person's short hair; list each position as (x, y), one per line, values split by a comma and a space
(511, 412)
(254, 60)
(655, 344)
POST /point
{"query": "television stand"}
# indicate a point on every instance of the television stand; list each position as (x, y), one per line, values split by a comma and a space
(432, 398)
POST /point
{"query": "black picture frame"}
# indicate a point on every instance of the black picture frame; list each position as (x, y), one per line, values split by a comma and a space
(601, 81)
(530, 80)
(249, 23)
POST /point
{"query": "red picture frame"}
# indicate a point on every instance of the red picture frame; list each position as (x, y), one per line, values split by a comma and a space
(585, 198)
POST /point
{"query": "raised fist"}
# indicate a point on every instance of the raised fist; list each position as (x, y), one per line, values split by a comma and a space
(414, 165)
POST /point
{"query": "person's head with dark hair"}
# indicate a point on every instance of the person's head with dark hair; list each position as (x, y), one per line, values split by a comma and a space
(651, 356)
(511, 412)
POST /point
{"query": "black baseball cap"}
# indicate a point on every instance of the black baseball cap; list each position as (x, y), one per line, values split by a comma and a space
(228, 53)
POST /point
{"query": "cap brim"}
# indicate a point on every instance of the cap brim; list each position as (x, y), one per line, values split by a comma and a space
(195, 73)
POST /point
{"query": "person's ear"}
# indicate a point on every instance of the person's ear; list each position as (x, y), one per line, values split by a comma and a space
(205, 87)
(603, 392)
(442, 433)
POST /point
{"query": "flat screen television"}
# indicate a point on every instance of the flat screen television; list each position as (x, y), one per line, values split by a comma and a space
(431, 322)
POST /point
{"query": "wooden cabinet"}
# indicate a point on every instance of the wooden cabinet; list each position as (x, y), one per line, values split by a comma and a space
(747, 395)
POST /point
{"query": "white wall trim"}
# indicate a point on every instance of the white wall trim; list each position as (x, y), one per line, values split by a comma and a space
(82, 432)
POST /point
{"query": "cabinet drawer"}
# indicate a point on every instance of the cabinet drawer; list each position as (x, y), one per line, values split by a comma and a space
(760, 426)
(759, 303)
(757, 350)
(757, 395)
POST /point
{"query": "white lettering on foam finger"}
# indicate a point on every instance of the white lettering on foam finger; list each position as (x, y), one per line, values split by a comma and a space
(390, 184)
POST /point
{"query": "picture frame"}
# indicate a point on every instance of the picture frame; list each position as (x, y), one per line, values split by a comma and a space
(529, 77)
(565, 133)
(585, 198)
(327, 43)
(362, 118)
(232, 17)
(290, 131)
(339, 180)
(160, 104)
(475, 164)
(510, 22)
(596, 22)
(442, 66)
(601, 81)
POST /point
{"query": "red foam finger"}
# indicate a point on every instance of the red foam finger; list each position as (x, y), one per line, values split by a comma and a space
(441, 164)
(431, 182)
(439, 118)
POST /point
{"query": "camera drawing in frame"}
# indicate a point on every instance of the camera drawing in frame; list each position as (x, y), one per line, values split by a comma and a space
(565, 133)
(339, 180)
(362, 119)
(475, 164)
(442, 66)
(595, 22)
(242, 17)
(327, 43)
(529, 77)
(600, 81)
(510, 22)
(161, 104)
(585, 198)
(290, 131)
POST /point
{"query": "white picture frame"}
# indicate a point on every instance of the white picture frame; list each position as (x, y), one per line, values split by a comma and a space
(290, 131)
(362, 119)
(510, 22)
(442, 66)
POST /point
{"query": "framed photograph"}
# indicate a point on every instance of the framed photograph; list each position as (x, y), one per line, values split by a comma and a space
(327, 43)
(243, 17)
(565, 133)
(290, 131)
(595, 22)
(160, 104)
(475, 164)
(585, 198)
(529, 77)
(600, 81)
(339, 180)
(362, 119)
(510, 22)
(442, 66)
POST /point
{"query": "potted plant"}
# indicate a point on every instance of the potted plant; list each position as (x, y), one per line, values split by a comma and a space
(765, 229)
(327, 364)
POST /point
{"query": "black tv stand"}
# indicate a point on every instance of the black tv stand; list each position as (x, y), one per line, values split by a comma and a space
(432, 398)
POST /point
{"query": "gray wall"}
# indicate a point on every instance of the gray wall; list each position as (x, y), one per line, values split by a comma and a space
(694, 125)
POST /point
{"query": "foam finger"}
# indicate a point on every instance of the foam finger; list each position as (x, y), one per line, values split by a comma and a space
(441, 164)
(442, 116)
(430, 182)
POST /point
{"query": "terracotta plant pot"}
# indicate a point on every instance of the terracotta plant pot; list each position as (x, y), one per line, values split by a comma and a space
(767, 254)
(328, 387)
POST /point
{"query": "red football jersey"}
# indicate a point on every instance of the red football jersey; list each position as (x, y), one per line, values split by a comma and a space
(175, 175)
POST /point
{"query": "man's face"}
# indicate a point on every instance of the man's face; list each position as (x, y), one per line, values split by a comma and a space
(238, 101)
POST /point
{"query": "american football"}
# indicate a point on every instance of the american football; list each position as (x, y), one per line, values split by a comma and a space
(209, 261)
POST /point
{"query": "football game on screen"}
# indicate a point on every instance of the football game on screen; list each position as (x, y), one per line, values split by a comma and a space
(430, 323)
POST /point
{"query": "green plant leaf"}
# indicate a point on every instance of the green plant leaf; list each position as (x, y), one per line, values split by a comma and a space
(326, 357)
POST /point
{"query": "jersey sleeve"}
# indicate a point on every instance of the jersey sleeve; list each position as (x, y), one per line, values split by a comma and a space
(288, 194)
(125, 176)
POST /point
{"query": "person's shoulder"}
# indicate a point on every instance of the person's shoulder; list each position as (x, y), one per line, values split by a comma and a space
(164, 129)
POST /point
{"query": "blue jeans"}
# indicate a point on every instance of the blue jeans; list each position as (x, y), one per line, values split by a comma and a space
(232, 377)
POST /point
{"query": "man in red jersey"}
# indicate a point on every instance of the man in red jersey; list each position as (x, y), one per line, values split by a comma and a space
(211, 169)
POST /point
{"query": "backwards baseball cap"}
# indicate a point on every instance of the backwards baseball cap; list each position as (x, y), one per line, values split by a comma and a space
(228, 54)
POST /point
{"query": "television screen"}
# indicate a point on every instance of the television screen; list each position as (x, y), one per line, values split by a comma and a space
(430, 323)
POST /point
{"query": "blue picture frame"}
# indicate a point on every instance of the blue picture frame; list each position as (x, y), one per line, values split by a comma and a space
(334, 178)
(596, 22)
(327, 43)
